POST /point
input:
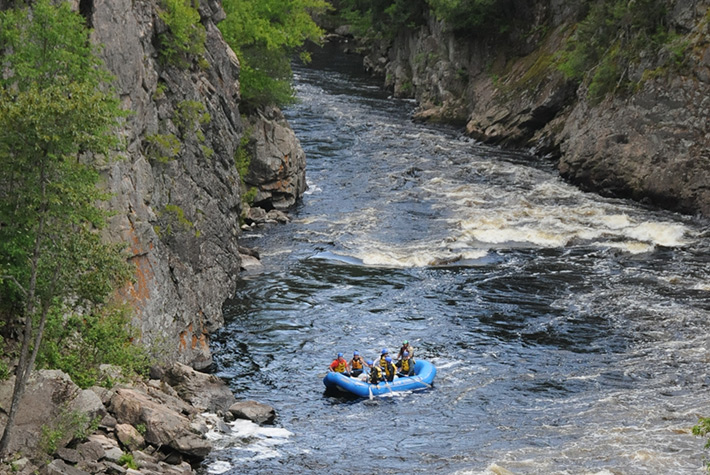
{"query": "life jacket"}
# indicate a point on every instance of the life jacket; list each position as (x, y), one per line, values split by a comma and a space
(356, 363)
(340, 367)
(390, 370)
(375, 374)
(406, 365)
(383, 361)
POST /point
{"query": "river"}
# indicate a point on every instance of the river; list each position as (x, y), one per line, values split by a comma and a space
(570, 331)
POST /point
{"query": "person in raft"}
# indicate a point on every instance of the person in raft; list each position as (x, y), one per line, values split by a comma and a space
(375, 373)
(405, 365)
(357, 365)
(390, 369)
(340, 365)
(385, 354)
(405, 347)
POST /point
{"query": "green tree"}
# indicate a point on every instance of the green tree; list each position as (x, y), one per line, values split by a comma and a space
(474, 16)
(57, 118)
(388, 17)
(265, 34)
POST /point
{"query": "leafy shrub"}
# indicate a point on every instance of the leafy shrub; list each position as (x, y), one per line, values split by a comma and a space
(174, 214)
(609, 39)
(186, 36)
(189, 116)
(702, 428)
(80, 344)
(242, 160)
(127, 460)
(162, 147)
(382, 18)
(72, 425)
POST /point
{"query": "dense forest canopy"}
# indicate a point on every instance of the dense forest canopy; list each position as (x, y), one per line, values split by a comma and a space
(605, 44)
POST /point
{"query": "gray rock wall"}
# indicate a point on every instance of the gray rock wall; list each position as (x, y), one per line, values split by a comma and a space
(177, 205)
(180, 215)
(652, 146)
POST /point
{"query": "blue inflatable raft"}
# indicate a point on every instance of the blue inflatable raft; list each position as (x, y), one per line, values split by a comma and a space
(424, 373)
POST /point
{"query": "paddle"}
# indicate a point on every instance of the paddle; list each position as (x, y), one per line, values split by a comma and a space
(417, 378)
(388, 386)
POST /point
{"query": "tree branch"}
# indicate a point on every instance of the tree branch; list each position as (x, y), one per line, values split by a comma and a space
(14, 280)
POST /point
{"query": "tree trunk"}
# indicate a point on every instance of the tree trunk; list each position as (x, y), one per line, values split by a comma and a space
(22, 372)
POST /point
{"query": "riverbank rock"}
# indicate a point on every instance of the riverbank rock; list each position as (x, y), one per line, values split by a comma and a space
(205, 391)
(254, 411)
(164, 426)
(278, 165)
(51, 400)
(147, 422)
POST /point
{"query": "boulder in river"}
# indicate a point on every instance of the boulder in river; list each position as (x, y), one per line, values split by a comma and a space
(253, 411)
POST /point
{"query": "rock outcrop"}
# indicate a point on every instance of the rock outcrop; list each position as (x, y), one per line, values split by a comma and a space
(652, 144)
(177, 195)
(160, 425)
(53, 401)
(278, 166)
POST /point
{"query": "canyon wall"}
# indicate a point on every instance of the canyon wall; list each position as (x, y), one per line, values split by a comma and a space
(177, 194)
(651, 145)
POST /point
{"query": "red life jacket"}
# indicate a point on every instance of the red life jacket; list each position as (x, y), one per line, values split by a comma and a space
(339, 365)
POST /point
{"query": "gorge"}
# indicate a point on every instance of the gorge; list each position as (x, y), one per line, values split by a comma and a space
(540, 303)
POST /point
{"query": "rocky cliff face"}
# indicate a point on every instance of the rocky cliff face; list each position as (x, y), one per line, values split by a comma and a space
(652, 145)
(176, 192)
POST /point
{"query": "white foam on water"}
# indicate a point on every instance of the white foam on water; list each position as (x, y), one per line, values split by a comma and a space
(244, 441)
(421, 255)
(632, 247)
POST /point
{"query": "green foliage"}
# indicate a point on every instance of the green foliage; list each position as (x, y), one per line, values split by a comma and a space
(190, 116)
(57, 125)
(702, 428)
(242, 157)
(242, 160)
(162, 147)
(386, 18)
(382, 18)
(127, 460)
(473, 16)
(360, 21)
(4, 370)
(80, 344)
(185, 38)
(49, 438)
(52, 115)
(160, 90)
(609, 39)
(69, 425)
(250, 195)
(265, 34)
(176, 215)
(208, 152)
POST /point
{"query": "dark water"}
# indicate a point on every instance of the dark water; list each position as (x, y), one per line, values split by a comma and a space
(570, 332)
